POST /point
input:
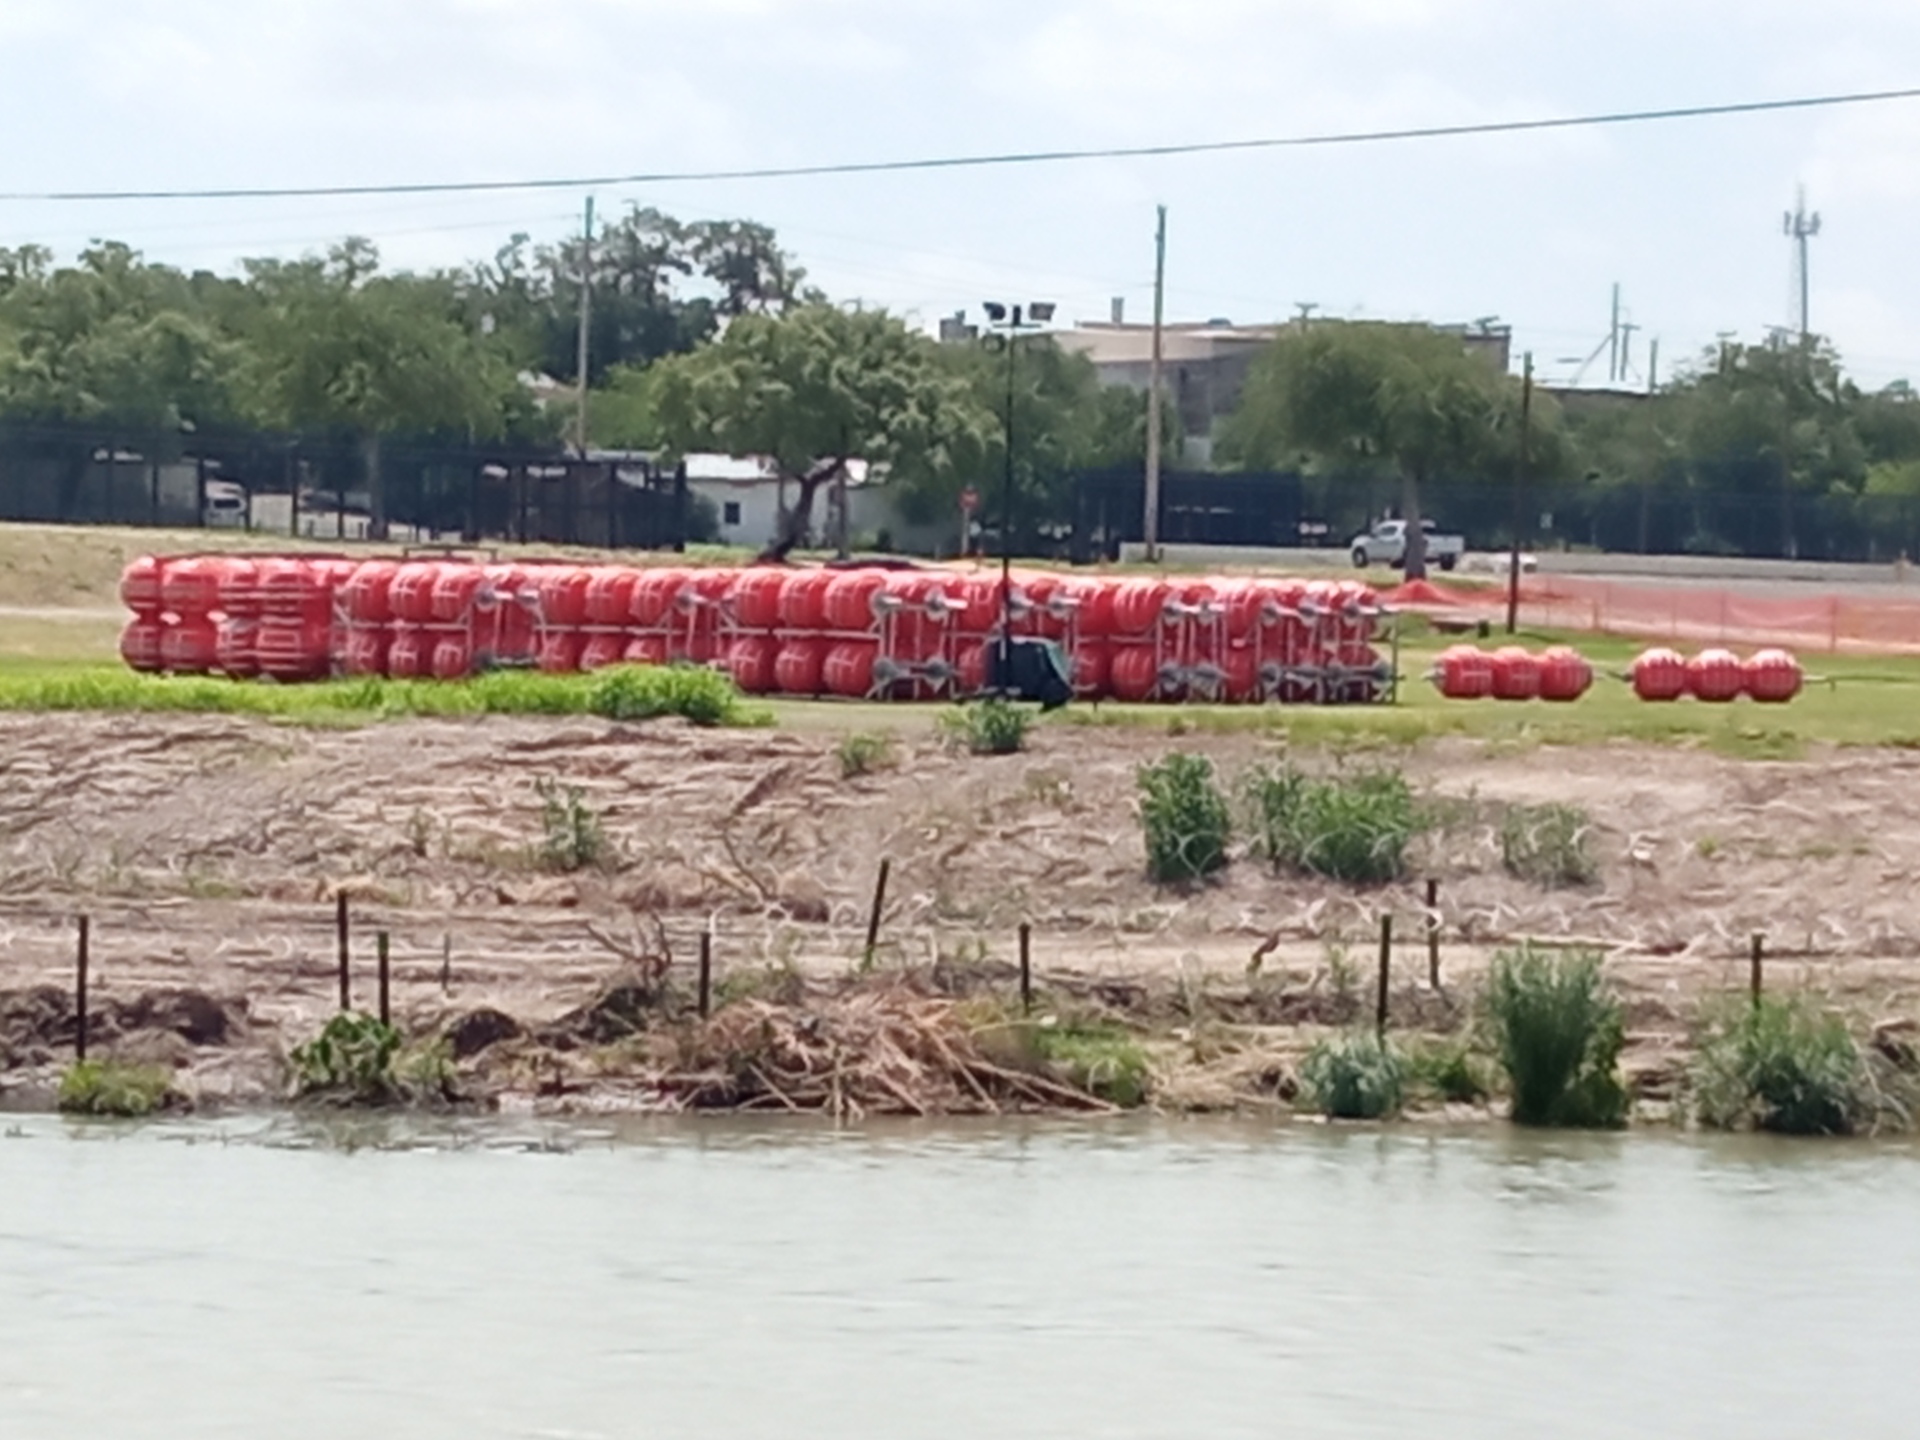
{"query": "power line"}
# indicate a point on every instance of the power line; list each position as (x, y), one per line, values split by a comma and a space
(964, 162)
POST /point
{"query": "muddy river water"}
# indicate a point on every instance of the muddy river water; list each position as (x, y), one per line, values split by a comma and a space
(269, 1280)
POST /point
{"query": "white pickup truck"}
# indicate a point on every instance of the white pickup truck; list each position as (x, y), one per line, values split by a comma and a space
(1386, 544)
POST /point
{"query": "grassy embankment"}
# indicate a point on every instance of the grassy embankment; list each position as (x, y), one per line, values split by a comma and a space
(57, 651)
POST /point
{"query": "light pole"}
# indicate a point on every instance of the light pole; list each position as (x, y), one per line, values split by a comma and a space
(1011, 321)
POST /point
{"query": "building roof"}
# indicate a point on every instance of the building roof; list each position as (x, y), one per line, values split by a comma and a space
(1105, 343)
(748, 470)
(1189, 342)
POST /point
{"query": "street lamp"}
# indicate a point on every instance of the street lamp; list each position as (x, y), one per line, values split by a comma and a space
(1011, 321)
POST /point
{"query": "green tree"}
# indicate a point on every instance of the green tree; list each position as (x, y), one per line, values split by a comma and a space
(334, 344)
(1366, 396)
(1064, 422)
(112, 339)
(660, 287)
(815, 388)
(1776, 421)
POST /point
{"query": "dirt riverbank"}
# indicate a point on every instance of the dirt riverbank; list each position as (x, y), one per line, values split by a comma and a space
(207, 850)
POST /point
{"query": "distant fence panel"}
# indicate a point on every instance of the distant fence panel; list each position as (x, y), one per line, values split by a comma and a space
(1828, 621)
(322, 487)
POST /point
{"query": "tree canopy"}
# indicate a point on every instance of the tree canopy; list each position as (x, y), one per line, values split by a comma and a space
(815, 388)
(1366, 396)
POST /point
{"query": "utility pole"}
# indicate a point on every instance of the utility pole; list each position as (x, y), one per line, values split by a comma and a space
(1306, 309)
(1520, 493)
(1613, 339)
(1798, 226)
(1653, 365)
(586, 324)
(1150, 522)
(1627, 327)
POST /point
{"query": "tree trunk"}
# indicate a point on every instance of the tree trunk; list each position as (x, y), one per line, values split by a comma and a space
(1416, 554)
(376, 486)
(794, 523)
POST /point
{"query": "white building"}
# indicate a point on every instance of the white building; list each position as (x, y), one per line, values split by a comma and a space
(749, 498)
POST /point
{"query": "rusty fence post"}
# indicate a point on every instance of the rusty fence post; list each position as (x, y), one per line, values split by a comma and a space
(1756, 955)
(386, 998)
(1026, 968)
(1433, 933)
(80, 961)
(706, 973)
(342, 939)
(873, 917)
(1386, 962)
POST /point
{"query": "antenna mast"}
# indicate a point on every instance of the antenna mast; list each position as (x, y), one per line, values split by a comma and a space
(1798, 226)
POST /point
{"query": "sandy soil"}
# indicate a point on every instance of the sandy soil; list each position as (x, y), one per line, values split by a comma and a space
(206, 850)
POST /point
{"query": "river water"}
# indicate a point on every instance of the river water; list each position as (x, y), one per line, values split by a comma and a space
(265, 1280)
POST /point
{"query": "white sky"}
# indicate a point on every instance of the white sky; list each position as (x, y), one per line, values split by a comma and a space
(1534, 229)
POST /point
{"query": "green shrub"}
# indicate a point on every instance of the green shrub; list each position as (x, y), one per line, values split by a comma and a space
(626, 692)
(1781, 1065)
(350, 1060)
(571, 834)
(1355, 1077)
(1449, 1070)
(1558, 1034)
(1548, 845)
(641, 692)
(1185, 818)
(863, 753)
(993, 726)
(1346, 827)
(1100, 1060)
(106, 1087)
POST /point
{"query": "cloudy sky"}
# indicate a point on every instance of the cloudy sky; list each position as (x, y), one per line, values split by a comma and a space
(1686, 217)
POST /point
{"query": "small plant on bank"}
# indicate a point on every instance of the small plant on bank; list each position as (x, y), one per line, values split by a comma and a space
(1355, 1077)
(1346, 827)
(1548, 845)
(1450, 1071)
(351, 1061)
(643, 692)
(993, 726)
(1100, 1060)
(106, 1087)
(864, 752)
(1185, 817)
(1781, 1065)
(1558, 1033)
(571, 835)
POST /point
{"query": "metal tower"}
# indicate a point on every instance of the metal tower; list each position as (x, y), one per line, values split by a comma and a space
(1798, 226)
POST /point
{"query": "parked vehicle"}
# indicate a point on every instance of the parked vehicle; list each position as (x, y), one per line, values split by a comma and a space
(1386, 544)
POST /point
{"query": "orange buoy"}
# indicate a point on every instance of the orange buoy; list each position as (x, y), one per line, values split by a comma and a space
(1659, 674)
(1463, 672)
(797, 666)
(1516, 674)
(1773, 676)
(1715, 676)
(1564, 673)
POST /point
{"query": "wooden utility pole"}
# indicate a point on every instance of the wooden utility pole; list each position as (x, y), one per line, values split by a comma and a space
(1150, 522)
(1520, 493)
(586, 328)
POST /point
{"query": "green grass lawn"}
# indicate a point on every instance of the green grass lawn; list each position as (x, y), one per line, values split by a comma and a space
(1850, 700)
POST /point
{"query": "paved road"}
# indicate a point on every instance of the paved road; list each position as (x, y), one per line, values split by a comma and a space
(1756, 577)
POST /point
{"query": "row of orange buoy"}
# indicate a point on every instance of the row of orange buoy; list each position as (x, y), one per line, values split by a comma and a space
(1717, 676)
(913, 633)
(1466, 672)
